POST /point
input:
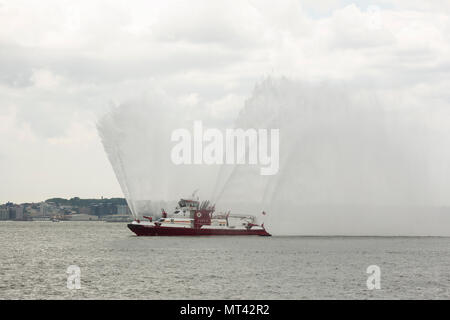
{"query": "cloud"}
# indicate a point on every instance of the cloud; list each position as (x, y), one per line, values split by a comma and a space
(63, 63)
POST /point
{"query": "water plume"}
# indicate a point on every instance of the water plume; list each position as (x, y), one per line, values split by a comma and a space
(349, 163)
(136, 136)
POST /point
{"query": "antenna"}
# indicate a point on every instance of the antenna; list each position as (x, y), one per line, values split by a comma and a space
(193, 194)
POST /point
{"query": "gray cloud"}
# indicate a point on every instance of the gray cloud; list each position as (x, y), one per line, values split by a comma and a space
(62, 66)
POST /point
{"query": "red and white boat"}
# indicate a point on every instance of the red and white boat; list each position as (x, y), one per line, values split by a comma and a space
(191, 218)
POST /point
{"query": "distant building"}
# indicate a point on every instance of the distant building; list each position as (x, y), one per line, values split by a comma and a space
(103, 209)
(4, 213)
(81, 209)
(18, 210)
(11, 212)
(32, 210)
(83, 217)
(43, 209)
(123, 210)
(50, 209)
(85, 210)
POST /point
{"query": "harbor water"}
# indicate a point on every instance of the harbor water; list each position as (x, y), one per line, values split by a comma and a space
(116, 264)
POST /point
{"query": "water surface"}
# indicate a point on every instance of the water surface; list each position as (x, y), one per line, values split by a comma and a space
(115, 264)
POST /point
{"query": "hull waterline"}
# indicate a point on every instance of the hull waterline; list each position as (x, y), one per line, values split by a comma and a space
(145, 230)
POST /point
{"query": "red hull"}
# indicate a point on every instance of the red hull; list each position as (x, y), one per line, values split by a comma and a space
(142, 230)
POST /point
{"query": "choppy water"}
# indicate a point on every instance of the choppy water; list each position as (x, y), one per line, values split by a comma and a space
(115, 264)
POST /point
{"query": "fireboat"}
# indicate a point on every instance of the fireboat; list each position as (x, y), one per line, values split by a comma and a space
(192, 218)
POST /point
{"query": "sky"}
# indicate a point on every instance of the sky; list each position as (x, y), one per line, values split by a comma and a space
(63, 64)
